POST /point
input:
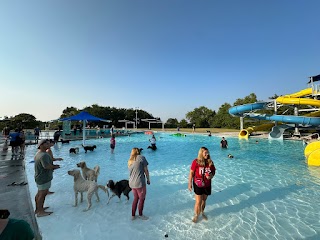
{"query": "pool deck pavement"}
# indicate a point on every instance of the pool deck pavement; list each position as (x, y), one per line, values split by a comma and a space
(14, 190)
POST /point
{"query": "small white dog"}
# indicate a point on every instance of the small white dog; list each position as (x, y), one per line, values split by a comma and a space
(87, 173)
(81, 185)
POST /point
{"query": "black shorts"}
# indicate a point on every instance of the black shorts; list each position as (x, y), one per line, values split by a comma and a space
(14, 144)
(201, 190)
(112, 146)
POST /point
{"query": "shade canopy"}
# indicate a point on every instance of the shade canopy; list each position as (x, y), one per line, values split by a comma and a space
(85, 117)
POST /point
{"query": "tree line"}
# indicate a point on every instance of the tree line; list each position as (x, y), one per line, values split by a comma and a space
(202, 117)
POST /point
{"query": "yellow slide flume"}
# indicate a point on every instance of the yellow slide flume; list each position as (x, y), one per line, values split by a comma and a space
(295, 98)
(312, 150)
(244, 133)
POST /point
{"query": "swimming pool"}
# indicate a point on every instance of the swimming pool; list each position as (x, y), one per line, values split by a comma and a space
(265, 192)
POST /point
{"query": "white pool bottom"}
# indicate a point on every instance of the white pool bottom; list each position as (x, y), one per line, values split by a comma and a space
(252, 198)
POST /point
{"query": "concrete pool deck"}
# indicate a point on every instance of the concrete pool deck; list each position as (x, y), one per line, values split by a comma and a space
(14, 192)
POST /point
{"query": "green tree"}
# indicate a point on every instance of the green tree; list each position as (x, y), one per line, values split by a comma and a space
(251, 98)
(111, 113)
(24, 120)
(183, 123)
(275, 96)
(69, 111)
(172, 123)
(223, 119)
(201, 116)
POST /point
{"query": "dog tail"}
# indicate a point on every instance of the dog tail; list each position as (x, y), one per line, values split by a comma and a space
(96, 170)
(105, 189)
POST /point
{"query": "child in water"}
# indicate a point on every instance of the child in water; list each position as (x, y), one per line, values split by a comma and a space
(112, 142)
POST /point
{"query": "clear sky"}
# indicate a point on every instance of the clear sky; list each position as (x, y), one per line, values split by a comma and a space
(166, 56)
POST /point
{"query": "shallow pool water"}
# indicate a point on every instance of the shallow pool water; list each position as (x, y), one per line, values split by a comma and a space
(265, 192)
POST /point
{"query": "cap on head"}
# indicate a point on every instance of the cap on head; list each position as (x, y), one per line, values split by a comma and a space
(41, 142)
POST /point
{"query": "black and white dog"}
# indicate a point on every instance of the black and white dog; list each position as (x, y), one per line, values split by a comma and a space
(89, 148)
(118, 188)
(74, 150)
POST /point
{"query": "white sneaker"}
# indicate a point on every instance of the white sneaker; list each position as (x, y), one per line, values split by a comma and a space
(143, 217)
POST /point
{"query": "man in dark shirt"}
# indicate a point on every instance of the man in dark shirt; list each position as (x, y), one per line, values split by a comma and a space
(224, 143)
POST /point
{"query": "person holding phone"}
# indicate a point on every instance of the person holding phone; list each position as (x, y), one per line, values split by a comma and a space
(201, 173)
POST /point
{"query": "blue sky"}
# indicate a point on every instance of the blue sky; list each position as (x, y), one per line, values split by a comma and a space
(166, 57)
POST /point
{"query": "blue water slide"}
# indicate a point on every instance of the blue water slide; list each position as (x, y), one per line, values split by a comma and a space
(239, 110)
(247, 108)
(313, 121)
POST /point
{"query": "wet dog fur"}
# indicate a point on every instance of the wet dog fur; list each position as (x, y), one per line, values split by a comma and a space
(118, 188)
(74, 150)
(87, 173)
(81, 185)
(89, 148)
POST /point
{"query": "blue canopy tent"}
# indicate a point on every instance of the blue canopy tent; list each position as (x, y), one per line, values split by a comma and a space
(84, 117)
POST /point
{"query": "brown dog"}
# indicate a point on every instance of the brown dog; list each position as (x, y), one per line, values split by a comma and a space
(87, 173)
(81, 185)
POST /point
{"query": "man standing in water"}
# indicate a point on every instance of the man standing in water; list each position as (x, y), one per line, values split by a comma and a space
(43, 169)
(224, 143)
(37, 133)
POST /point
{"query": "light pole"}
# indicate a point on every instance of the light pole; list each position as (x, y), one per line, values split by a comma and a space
(137, 117)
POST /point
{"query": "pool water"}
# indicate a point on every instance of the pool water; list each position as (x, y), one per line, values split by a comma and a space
(265, 192)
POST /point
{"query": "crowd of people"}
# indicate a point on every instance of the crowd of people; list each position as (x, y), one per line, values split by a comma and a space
(16, 140)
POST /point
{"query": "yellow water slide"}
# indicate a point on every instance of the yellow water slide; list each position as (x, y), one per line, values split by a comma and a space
(312, 150)
(296, 99)
(244, 133)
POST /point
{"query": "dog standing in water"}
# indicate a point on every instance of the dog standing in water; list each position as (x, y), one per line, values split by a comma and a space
(89, 148)
(87, 173)
(80, 185)
(118, 188)
(74, 150)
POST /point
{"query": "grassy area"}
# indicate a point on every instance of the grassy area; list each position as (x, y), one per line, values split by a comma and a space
(198, 130)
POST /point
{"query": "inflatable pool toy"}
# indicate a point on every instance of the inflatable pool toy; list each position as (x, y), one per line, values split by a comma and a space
(178, 135)
(311, 147)
(312, 153)
(148, 132)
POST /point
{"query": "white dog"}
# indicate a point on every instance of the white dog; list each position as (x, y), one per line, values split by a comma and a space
(81, 185)
(87, 173)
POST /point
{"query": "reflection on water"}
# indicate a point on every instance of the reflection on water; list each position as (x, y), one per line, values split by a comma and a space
(315, 173)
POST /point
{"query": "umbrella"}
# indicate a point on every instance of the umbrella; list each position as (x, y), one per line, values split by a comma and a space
(84, 117)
